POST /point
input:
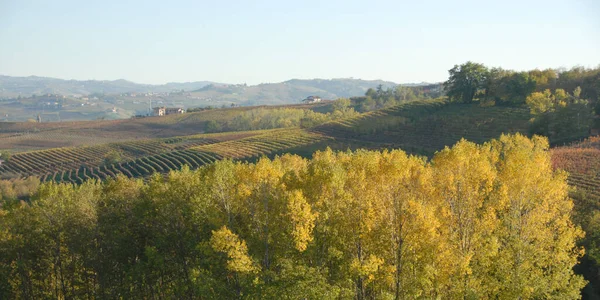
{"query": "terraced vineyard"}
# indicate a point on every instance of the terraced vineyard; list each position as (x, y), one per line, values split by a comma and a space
(75, 163)
(40, 162)
(419, 127)
(141, 158)
(264, 144)
(140, 167)
(428, 126)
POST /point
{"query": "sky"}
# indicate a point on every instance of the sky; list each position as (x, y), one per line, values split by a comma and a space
(272, 41)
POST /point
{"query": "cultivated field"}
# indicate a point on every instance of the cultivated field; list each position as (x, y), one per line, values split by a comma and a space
(582, 161)
(27, 136)
(76, 151)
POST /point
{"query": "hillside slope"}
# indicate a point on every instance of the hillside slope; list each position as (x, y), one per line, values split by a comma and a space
(144, 157)
(428, 126)
(161, 144)
(25, 136)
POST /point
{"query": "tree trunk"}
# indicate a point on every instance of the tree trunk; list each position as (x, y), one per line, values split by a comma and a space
(360, 288)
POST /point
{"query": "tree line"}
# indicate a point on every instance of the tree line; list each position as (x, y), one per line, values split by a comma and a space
(378, 98)
(471, 81)
(265, 118)
(475, 221)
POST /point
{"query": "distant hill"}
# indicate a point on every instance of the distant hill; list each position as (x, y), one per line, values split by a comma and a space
(343, 87)
(27, 86)
(22, 98)
(266, 93)
(291, 91)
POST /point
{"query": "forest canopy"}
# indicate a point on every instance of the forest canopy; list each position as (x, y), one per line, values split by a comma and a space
(475, 221)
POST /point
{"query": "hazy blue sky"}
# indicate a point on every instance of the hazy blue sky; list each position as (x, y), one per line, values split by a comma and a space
(270, 41)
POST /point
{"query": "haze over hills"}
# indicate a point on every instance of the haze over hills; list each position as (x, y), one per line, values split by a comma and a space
(59, 99)
(287, 92)
(26, 86)
(329, 88)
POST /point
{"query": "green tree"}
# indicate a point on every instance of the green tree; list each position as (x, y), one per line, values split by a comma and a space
(540, 102)
(516, 88)
(212, 126)
(465, 81)
(342, 105)
(5, 155)
(560, 116)
(113, 157)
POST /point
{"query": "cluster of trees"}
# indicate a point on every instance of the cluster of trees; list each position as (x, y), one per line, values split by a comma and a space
(559, 115)
(209, 107)
(265, 118)
(18, 188)
(472, 81)
(381, 98)
(477, 221)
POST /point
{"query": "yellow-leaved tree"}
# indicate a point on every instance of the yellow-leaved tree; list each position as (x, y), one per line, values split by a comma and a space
(302, 219)
(227, 242)
(537, 238)
(464, 177)
(414, 247)
(475, 221)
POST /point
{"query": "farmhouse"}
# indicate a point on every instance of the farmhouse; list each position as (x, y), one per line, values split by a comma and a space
(161, 111)
(312, 99)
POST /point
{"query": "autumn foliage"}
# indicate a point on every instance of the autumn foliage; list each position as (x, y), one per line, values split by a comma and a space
(475, 221)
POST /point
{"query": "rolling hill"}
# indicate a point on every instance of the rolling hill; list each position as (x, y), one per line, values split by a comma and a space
(24, 98)
(74, 151)
(27, 86)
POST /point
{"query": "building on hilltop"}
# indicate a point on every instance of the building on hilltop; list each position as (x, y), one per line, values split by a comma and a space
(161, 111)
(312, 99)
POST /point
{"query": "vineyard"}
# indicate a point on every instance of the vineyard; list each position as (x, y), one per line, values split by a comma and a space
(428, 126)
(140, 167)
(141, 158)
(264, 144)
(582, 161)
(159, 145)
(62, 163)
(28, 136)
